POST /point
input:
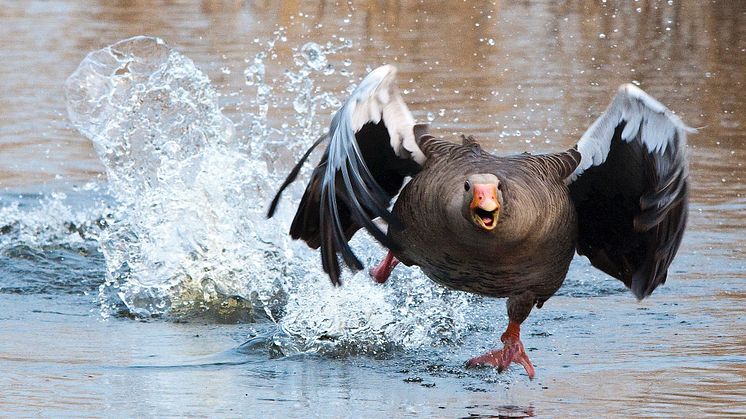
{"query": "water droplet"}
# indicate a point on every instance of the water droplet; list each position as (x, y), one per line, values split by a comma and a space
(300, 104)
(328, 70)
(314, 56)
(254, 74)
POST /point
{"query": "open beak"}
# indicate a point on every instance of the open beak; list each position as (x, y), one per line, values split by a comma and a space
(484, 206)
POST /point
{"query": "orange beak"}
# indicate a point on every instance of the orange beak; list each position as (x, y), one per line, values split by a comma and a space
(484, 206)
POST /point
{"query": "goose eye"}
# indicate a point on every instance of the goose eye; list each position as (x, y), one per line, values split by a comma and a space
(499, 186)
(467, 185)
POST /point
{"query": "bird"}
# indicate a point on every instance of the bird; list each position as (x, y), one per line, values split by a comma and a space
(497, 226)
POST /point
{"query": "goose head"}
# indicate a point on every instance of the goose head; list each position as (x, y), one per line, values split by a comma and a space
(482, 200)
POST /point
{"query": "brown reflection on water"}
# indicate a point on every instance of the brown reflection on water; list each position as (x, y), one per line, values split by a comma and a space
(524, 66)
(524, 75)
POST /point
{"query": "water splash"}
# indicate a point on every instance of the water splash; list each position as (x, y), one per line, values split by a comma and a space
(188, 232)
(184, 232)
(297, 92)
(38, 220)
(48, 242)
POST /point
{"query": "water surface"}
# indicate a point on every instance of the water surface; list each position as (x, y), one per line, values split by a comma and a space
(259, 331)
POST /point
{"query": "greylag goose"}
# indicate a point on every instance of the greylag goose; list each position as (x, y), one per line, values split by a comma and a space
(498, 226)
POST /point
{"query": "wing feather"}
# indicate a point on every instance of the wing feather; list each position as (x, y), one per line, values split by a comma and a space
(370, 152)
(631, 190)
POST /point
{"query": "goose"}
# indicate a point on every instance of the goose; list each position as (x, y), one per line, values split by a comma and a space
(497, 226)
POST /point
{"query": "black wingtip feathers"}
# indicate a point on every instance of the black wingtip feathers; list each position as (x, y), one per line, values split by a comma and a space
(292, 176)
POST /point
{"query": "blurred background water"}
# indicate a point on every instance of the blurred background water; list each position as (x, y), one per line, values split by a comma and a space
(139, 278)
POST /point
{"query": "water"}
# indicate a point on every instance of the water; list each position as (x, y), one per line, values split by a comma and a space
(139, 278)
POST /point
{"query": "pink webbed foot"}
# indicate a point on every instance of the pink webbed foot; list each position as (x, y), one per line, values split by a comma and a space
(513, 351)
(382, 272)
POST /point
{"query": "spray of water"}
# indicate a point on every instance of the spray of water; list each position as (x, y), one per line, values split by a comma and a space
(188, 232)
(39, 221)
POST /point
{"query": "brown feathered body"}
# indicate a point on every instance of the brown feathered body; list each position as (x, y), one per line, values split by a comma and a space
(533, 243)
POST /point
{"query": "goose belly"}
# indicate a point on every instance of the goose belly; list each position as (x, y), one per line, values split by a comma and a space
(538, 264)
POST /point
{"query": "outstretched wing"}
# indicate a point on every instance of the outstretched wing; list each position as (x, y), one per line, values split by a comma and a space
(371, 150)
(630, 190)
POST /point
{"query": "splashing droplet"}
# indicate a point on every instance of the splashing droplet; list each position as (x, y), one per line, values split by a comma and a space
(314, 56)
(254, 73)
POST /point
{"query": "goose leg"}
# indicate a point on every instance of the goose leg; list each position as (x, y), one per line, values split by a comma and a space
(382, 272)
(512, 351)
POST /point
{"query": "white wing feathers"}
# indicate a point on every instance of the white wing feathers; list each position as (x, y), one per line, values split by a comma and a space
(378, 97)
(641, 112)
(360, 171)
